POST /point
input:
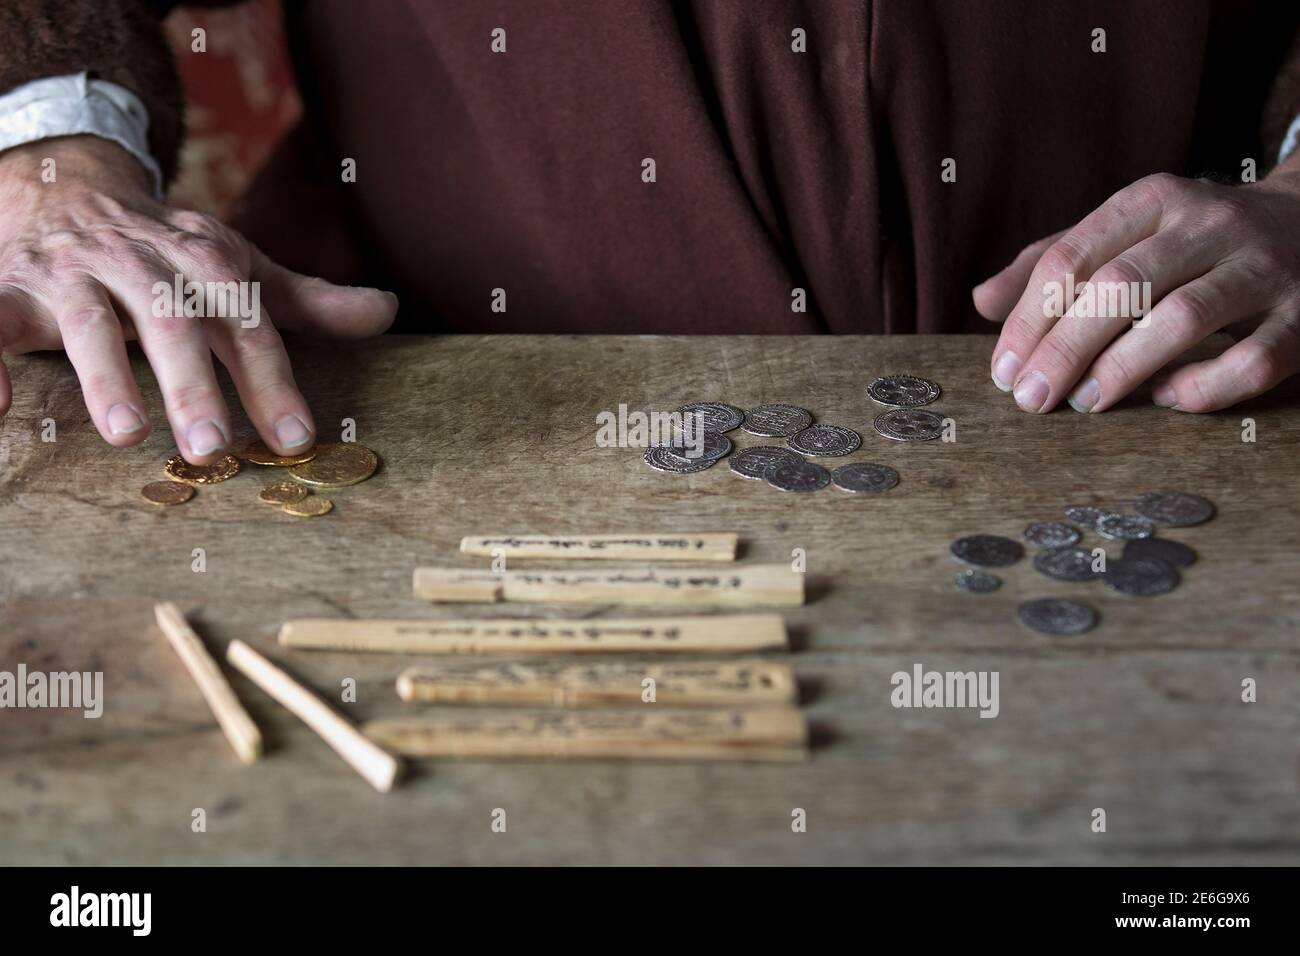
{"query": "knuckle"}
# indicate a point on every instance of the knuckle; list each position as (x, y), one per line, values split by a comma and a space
(1057, 352)
(1063, 257)
(1223, 212)
(191, 395)
(80, 322)
(1260, 367)
(1158, 187)
(256, 340)
(1184, 315)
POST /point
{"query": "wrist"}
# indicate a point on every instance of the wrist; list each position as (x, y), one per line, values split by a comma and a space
(81, 161)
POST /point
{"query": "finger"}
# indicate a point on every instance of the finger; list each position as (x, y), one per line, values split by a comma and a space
(1124, 220)
(996, 295)
(260, 368)
(304, 303)
(1181, 319)
(178, 352)
(1249, 368)
(92, 339)
(1119, 292)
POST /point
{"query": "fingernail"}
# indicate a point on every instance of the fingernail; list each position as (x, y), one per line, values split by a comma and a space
(1163, 395)
(1032, 391)
(1086, 396)
(291, 432)
(205, 437)
(122, 420)
(1006, 370)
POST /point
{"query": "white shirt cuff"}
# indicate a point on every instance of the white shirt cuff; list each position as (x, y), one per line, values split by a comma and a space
(1289, 140)
(75, 105)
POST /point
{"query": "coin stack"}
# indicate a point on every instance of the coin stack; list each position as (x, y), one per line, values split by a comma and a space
(334, 465)
(787, 468)
(1149, 564)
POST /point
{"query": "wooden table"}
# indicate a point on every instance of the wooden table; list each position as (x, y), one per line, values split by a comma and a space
(1141, 717)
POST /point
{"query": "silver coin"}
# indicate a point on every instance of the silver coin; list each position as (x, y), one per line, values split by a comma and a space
(1057, 616)
(1175, 508)
(776, 421)
(864, 476)
(1065, 564)
(718, 417)
(908, 424)
(1141, 577)
(987, 550)
(902, 391)
(1125, 527)
(1160, 549)
(800, 476)
(712, 447)
(754, 462)
(825, 441)
(977, 582)
(1086, 516)
(661, 459)
(1052, 534)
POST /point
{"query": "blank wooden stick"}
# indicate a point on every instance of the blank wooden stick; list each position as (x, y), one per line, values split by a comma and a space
(673, 684)
(763, 585)
(772, 733)
(721, 634)
(216, 690)
(615, 547)
(379, 767)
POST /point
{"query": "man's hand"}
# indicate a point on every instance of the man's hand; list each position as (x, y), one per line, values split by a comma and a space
(79, 258)
(1216, 257)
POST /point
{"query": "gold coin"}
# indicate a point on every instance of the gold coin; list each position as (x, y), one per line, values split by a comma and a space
(167, 492)
(310, 507)
(283, 492)
(259, 454)
(178, 469)
(336, 466)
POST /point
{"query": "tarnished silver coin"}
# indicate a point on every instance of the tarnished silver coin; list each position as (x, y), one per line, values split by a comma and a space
(717, 416)
(1141, 577)
(1086, 516)
(864, 476)
(902, 391)
(1052, 534)
(754, 462)
(1065, 564)
(1057, 616)
(1176, 508)
(825, 441)
(908, 424)
(1125, 527)
(1160, 549)
(776, 421)
(661, 459)
(977, 582)
(798, 476)
(987, 550)
(711, 447)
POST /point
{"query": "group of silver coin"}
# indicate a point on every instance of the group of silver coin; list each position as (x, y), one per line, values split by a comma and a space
(787, 467)
(1149, 565)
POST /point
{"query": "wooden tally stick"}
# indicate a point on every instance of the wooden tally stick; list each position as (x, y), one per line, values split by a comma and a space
(762, 585)
(231, 716)
(380, 768)
(739, 684)
(615, 547)
(725, 634)
(771, 733)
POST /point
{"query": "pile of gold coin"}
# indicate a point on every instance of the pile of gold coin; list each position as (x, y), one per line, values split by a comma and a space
(322, 466)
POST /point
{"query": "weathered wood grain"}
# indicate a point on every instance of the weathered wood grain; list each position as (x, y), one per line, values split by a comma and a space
(1142, 717)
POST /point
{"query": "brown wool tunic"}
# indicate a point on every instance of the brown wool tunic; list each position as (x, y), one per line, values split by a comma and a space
(775, 169)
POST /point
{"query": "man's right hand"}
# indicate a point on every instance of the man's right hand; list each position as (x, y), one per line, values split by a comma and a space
(79, 258)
